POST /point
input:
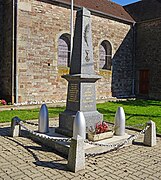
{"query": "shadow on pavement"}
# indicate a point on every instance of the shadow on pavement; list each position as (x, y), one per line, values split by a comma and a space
(52, 164)
(138, 143)
(5, 132)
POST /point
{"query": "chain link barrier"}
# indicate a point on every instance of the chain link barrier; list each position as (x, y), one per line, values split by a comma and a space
(116, 146)
(31, 123)
(44, 136)
(113, 147)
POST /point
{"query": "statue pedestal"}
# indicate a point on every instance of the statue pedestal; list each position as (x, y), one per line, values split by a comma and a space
(81, 97)
(66, 120)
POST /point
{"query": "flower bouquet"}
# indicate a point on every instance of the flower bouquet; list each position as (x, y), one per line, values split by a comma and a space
(3, 102)
(100, 132)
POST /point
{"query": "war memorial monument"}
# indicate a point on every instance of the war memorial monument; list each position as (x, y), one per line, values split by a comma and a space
(81, 98)
(81, 94)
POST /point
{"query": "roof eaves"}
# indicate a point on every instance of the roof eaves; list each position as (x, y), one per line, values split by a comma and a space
(148, 20)
(127, 21)
(113, 17)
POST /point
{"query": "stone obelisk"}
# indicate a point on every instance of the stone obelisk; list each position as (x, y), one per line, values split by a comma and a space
(81, 94)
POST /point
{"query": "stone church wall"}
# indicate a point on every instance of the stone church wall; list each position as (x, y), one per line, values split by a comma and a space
(117, 82)
(148, 56)
(123, 77)
(40, 25)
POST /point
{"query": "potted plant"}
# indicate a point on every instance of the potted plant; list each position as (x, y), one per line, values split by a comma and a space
(100, 132)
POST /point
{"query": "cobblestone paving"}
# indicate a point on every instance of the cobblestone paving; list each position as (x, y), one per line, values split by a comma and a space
(21, 158)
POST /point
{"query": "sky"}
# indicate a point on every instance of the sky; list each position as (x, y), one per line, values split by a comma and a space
(124, 2)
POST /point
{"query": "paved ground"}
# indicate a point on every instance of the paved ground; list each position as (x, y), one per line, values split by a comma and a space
(21, 158)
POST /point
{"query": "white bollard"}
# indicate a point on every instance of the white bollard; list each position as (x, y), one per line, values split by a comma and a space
(79, 126)
(76, 156)
(15, 127)
(150, 134)
(43, 119)
(120, 122)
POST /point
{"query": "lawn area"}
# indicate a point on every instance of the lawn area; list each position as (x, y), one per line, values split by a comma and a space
(7, 115)
(136, 111)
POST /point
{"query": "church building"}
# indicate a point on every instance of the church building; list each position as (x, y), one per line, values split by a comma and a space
(35, 49)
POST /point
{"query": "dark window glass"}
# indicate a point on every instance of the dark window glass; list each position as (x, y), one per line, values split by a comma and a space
(64, 50)
(105, 55)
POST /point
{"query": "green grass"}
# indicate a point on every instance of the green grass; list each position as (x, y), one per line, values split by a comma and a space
(137, 112)
(6, 116)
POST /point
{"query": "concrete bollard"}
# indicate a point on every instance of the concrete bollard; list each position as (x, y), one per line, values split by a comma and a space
(79, 126)
(15, 127)
(76, 156)
(43, 119)
(150, 134)
(119, 122)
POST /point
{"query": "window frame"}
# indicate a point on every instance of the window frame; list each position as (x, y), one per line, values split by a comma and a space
(66, 38)
(107, 65)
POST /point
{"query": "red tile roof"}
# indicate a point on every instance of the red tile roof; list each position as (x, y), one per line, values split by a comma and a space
(104, 7)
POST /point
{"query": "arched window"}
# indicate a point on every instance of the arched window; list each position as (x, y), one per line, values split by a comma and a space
(64, 50)
(105, 55)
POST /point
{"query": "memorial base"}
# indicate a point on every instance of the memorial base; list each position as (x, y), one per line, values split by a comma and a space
(66, 120)
(63, 147)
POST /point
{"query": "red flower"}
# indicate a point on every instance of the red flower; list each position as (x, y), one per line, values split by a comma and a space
(101, 127)
(3, 102)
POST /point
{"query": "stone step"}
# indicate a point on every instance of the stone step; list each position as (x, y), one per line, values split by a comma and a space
(63, 147)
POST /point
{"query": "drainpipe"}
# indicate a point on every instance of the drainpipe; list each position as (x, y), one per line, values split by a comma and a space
(71, 30)
(14, 51)
(133, 60)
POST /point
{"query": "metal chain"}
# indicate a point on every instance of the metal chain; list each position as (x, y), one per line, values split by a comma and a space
(31, 123)
(141, 132)
(87, 155)
(44, 136)
(114, 147)
(131, 138)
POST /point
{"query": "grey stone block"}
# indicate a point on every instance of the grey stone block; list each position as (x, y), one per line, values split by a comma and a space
(66, 120)
(150, 134)
(76, 157)
(15, 127)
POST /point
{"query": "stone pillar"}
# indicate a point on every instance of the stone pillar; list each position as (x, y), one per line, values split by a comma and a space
(120, 122)
(150, 134)
(15, 127)
(76, 156)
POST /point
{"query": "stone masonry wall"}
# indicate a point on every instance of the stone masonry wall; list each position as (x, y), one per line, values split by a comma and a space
(6, 52)
(148, 55)
(117, 82)
(122, 79)
(39, 26)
